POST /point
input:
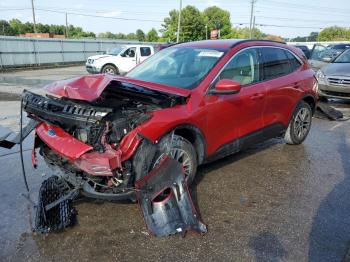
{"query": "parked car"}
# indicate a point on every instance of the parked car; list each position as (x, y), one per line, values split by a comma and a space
(334, 78)
(305, 50)
(119, 60)
(322, 55)
(196, 101)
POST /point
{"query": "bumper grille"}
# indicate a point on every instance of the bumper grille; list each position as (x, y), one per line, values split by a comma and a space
(338, 81)
(332, 93)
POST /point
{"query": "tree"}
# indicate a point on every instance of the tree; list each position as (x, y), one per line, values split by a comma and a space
(140, 35)
(131, 36)
(334, 33)
(5, 28)
(217, 18)
(244, 33)
(108, 35)
(192, 25)
(152, 36)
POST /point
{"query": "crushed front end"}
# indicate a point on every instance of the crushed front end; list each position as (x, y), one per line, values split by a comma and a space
(92, 142)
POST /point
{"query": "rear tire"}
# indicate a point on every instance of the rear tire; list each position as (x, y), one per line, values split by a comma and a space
(300, 124)
(110, 69)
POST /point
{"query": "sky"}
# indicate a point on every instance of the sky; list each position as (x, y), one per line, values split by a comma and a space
(285, 18)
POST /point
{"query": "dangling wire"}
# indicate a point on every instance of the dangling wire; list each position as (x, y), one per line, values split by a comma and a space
(21, 148)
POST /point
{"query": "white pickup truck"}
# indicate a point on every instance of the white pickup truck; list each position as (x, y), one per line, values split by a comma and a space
(119, 60)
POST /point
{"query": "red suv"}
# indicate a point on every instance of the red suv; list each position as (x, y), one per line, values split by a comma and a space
(196, 101)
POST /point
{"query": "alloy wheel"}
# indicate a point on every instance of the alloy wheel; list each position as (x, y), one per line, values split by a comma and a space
(179, 155)
(302, 123)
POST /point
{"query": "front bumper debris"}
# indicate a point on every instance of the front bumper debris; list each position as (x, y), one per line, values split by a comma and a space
(166, 202)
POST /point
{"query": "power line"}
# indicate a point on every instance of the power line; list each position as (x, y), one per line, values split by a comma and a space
(100, 16)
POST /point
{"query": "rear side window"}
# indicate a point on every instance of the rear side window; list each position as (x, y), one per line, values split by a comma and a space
(145, 51)
(275, 63)
(293, 61)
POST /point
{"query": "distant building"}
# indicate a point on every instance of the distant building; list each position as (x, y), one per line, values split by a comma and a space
(42, 35)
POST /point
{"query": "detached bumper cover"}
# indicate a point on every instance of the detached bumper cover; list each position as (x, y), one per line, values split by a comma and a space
(166, 202)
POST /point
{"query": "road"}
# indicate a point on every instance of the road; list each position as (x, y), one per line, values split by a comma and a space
(273, 202)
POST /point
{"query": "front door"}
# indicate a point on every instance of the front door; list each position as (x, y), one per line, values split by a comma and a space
(129, 59)
(237, 115)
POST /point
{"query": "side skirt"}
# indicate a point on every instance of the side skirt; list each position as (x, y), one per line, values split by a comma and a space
(246, 141)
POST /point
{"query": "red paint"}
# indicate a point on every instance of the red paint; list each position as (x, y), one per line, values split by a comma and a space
(62, 142)
(90, 87)
(220, 118)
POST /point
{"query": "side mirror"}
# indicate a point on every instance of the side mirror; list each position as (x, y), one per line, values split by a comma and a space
(226, 87)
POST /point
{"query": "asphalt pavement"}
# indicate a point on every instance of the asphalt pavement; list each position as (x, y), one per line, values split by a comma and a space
(272, 202)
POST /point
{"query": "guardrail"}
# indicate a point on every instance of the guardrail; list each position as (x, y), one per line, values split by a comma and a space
(24, 51)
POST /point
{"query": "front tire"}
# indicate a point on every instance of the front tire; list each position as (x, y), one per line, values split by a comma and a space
(300, 124)
(176, 146)
(110, 69)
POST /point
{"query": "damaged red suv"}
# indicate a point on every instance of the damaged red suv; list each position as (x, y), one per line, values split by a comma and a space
(196, 102)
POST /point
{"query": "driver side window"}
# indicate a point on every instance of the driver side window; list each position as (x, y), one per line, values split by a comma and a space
(130, 52)
(243, 68)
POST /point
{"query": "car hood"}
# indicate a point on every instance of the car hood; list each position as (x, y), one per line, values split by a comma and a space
(339, 69)
(90, 87)
(95, 57)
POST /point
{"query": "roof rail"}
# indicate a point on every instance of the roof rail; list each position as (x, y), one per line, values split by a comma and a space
(257, 40)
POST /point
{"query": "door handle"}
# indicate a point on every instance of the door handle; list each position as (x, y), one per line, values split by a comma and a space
(257, 96)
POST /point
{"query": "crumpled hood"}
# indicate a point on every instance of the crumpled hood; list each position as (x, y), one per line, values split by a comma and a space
(337, 69)
(90, 87)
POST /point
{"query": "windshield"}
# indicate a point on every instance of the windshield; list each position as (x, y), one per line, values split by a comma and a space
(321, 53)
(115, 50)
(344, 57)
(180, 67)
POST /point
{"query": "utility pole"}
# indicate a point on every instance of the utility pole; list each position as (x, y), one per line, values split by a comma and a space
(252, 34)
(66, 25)
(251, 16)
(179, 23)
(206, 32)
(33, 11)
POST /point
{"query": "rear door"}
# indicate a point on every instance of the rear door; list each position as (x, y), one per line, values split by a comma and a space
(284, 86)
(145, 52)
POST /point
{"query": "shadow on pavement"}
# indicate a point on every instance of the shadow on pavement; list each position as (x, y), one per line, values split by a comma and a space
(329, 238)
(267, 247)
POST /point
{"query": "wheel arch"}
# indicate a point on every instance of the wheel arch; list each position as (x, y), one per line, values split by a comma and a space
(111, 64)
(195, 136)
(311, 101)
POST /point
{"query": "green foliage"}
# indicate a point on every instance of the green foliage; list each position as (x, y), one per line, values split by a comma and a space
(334, 33)
(311, 38)
(192, 25)
(217, 18)
(16, 27)
(244, 33)
(152, 36)
(140, 35)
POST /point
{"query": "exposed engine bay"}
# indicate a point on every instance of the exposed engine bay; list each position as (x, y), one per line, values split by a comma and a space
(89, 141)
(97, 127)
